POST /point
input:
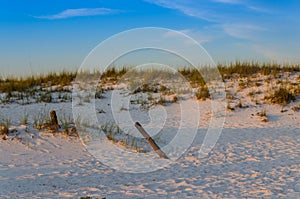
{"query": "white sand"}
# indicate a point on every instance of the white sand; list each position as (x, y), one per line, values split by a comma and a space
(252, 159)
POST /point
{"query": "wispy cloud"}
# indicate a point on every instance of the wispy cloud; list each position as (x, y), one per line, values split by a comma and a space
(210, 10)
(242, 31)
(240, 24)
(260, 10)
(182, 6)
(228, 1)
(196, 36)
(201, 36)
(245, 4)
(80, 12)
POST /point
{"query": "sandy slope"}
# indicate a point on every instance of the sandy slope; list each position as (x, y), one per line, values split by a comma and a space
(252, 159)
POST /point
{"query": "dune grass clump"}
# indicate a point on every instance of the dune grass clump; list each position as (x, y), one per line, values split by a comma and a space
(24, 118)
(247, 69)
(193, 76)
(112, 74)
(3, 130)
(263, 115)
(239, 104)
(41, 118)
(116, 135)
(203, 93)
(111, 130)
(296, 108)
(281, 96)
(4, 126)
(25, 90)
(146, 88)
(65, 122)
(54, 87)
(244, 69)
(12, 84)
(229, 107)
(161, 101)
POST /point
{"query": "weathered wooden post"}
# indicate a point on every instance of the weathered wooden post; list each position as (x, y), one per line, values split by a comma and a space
(154, 146)
(53, 121)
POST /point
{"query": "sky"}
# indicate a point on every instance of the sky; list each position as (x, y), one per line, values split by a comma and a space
(52, 35)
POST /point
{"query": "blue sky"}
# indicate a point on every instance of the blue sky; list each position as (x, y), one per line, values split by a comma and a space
(50, 35)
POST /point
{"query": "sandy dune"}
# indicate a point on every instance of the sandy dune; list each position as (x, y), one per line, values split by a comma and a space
(252, 159)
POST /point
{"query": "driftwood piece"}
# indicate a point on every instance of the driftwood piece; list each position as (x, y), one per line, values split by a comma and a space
(152, 143)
